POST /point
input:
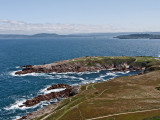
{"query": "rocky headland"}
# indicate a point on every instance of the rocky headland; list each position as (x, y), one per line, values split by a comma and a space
(87, 63)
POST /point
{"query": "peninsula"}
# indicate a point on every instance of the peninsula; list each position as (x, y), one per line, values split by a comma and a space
(93, 63)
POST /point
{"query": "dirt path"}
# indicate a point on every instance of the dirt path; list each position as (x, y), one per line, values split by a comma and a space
(123, 114)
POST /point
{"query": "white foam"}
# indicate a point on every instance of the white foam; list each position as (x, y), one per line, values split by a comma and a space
(111, 69)
(20, 102)
(16, 105)
(45, 91)
(34, 74)
(122, 72)
(50, 75)
(62, 76)
(28, 74)
(111, 74)
(81, 73)
(81, 79)
(17, 67)
(99, 78)
(16, 117)
(13, 73)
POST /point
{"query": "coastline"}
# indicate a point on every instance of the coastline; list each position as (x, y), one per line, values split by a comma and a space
(41, 112)
(48, 110)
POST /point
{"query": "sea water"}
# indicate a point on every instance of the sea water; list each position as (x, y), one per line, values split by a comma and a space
(14, 90)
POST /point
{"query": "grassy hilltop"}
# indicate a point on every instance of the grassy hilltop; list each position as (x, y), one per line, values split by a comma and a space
(125, 98)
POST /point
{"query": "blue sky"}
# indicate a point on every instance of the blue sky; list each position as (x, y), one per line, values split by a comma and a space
(112, 15)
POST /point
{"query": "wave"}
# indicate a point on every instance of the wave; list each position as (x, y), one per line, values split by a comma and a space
(58, 75)
(16, 105)
(80, 73)
(110, 75)
(28, 74)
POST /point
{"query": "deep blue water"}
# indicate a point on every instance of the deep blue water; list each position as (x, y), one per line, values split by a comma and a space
(13, 53)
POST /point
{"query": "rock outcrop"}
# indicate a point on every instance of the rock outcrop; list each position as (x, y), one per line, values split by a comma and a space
(56, 86)
(26, 66)
(69, 91)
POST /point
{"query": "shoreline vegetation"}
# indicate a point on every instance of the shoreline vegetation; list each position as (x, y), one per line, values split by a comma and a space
(123, 98)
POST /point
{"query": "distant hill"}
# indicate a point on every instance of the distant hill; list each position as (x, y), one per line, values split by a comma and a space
(35, 36)
(44, 35)
(53, 35)
(139, 36)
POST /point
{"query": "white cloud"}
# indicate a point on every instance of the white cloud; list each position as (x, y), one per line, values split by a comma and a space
(20, 27)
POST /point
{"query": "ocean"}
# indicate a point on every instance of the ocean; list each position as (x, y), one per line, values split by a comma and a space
(14, 90)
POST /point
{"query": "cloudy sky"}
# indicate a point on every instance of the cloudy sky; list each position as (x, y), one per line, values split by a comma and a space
(79, 16)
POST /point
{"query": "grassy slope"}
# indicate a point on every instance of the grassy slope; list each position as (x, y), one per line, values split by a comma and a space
(123, 94)
(149, 62)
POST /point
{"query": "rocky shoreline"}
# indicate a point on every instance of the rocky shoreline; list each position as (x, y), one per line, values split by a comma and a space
(40, 112)
(68, 92)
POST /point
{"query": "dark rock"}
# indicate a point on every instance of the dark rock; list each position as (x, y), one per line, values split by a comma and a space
(26, 66)
(56, 86)
(69, 91)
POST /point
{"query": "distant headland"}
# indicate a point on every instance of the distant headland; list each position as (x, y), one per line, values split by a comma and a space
(139, 36)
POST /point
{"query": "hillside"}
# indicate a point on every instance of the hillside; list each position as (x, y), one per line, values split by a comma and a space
(125, 98)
